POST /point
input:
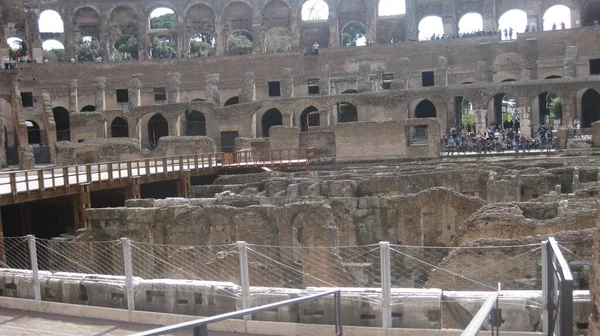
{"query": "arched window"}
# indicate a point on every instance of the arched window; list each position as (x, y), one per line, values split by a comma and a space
(425, 109)
(470, 22)
(202, 45)
(164, 46)
(88, 108)
(347, 112)
(54, 51)
(392, 7)
(88, 49)
(315, 10)
(63, 127)
(195, 123)
(271, 118)
(232, 101)
(557, 16)
(125, 48)
(308, 118)
(158, 127)
(119, 128)
(354, 34)
(50, 22)
(162, 18)
(590, 107)
(34, 135)
(239, 43)
(430, 28)
(514, 20)
(278, 40)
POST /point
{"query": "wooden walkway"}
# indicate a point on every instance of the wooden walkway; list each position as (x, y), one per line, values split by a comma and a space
(30, 185)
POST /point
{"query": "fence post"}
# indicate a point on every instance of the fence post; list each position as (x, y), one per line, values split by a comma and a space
(386, 284)
(545, 315)
(128, 273)
(34, 268)
(244, 277)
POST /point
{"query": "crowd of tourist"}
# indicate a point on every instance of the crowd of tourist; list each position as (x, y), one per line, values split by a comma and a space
(497, 138)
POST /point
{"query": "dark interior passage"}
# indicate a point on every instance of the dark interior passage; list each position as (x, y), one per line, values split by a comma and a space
(44, 219)
(425, 109)
(159, 190)
(271, 118)
(119, 128)
(63, 128)
(590, 108)
(158, 127)
(110, 198)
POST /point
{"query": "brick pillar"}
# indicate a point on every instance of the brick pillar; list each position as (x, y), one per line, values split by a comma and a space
(73, 100)
(334, 28)
(100, 88)
(135, 84)
(248, 92)
(173, 83)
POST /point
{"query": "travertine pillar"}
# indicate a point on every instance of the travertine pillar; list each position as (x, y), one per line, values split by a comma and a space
(2, 160)
(73, 100)
(334, 28)
(212, 89)
(325, 81)
(364, 83)
(410, 20)
(135, 84)
(173, 83)
(371, 21)
(441, 72)
(33, 40)
(248, 91)
(19, 125)
(287, 83)
(100, 87)
(257, 36)
(49, 125)
(402, 76)
(480, 120)
(481, 75)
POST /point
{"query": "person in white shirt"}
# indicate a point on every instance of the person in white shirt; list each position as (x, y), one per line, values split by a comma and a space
(315, 48)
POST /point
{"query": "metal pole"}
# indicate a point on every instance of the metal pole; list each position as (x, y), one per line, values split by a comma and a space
(545, 315)
(34, 268)
(128, 273)
(337, 297)
(200, 331)
(244, 277)
(386, 284)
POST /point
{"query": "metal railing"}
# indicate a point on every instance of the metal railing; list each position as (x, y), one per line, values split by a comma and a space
(40, 180)
(489, 308)
(200, 327)
(558, 290)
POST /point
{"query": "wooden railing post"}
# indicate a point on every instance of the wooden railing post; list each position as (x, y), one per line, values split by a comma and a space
(65, 173)
(40, 174)
(13, 185)
(88, 173)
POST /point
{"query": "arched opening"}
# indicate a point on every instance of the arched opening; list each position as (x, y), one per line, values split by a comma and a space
(239, 43)
(347, 112)
(509, 80)
(354, 34)
(590, 107)
(88, 49)
(198, 100)
(86, 22)
(119, 128)
(201, 45)
(392, 7)
(557, 17)
(425, 109)
(550, 109)
(88, 108)
(195, 123)
(17, 48)
(431, 28)
(63, 126)
(271, 118)
(276, 13)
(315, 10)
(512, 23)
(34, 135)
(54, 51)
(158, 127)
(162, 18)
(590, 13)
(278, 40)
(200, 19)
(467, 83)
(470, 24)
(123, 20)
(350, 91)
(309, 117)
(553, 77)
(50, 22)
(464, 114)
(125, 48)
(232, 101)
(163, 47)
(505, 111)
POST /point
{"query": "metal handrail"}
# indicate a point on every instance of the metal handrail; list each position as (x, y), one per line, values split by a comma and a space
(200, 327)
(558, 292)
(477, 322)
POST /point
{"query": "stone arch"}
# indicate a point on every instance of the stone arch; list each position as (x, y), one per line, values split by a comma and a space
(48, 22)
(17, 47)
(553, 77)
(200, 19)
(562, 12)
(88, 108)
(63, 125)
(314, 10)
(278, 39)
(502, 107)
(158, 127)
(232, 101)
(125, 47)
(590, 107)
(590, 11)
(86, 22)
(34, 133)
(119, 128)
(309, 117)
(237, 15)
(508, 66)
(195, 123)
(276, 13)
(472, 20)
(345, 112)
(424, 108)
(430, 26)
(272, 117)
(351, 10)
(542, 108)
(350, 91)
(164, 46)
(353, 40)
(461, 111)
(167, 9)
(515, 19)
(236, 49)
(7, 115)
(123, 20)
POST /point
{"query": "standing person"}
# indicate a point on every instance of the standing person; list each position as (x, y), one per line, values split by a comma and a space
(315, 48)
(506, 33)
(562, 26)
(554, 26)
(578, 128)
(510, 32)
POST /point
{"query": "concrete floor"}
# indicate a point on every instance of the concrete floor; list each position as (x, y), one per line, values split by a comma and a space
(18, 322)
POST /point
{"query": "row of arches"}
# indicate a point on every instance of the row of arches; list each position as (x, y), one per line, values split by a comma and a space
(433, 26)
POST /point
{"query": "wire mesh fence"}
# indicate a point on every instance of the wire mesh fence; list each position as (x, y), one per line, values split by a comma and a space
(14, 253)
(104, 258)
